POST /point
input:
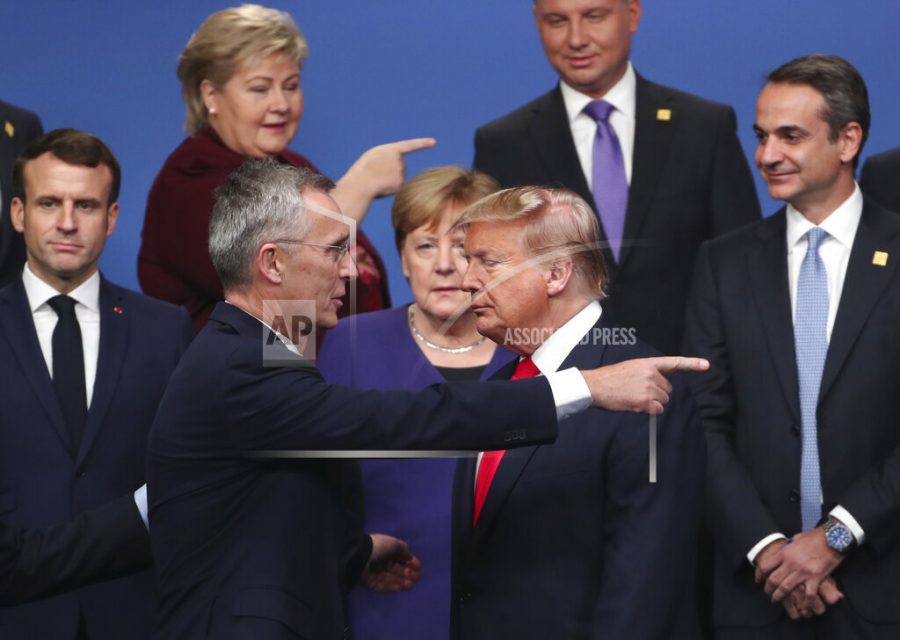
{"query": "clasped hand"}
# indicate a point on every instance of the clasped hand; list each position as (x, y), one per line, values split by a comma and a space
(798, 574)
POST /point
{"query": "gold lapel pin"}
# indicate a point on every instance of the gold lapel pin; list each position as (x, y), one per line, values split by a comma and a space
(879, 258)
(9, 128)
(663, 115)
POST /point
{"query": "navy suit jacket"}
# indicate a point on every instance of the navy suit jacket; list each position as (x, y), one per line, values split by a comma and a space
(739, 317)
(258, 548)
(24, 126)
(573, 541)
(44, 480)
(880, 179)
(100, 544)
(690, 182)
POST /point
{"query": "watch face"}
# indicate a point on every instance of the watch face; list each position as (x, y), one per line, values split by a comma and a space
(838, 537)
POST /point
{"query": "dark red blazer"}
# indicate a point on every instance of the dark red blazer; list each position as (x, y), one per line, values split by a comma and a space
(174, 263)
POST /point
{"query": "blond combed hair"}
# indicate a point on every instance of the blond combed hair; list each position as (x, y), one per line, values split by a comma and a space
(558, 222)
(424, 200)
(225, 41)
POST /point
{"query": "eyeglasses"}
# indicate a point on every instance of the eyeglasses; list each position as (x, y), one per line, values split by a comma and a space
(335, 251)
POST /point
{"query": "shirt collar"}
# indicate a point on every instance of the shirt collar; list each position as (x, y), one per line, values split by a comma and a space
(555, 349)
(840, 225)
(39, 292)
(621, 95)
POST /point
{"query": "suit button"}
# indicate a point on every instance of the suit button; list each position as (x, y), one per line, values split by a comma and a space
(507, 436)
(794, 496)
(465, 596)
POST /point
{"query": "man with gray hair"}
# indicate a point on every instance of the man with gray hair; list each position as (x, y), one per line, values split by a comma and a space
(798, 315)
(272, 543)
(592, 536)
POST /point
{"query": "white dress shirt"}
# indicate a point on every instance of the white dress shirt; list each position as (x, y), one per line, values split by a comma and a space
(87, 311)
(622, 96)
(841, 226)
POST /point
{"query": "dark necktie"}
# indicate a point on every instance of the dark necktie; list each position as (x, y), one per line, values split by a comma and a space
(610, 186)
(490, 460)
(68, 367)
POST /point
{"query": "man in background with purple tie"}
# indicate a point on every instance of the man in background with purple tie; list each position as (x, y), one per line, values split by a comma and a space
(594, 535)
(663, 169)
(798, 316)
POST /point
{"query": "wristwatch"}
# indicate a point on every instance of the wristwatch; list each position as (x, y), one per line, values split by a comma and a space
(838, 536)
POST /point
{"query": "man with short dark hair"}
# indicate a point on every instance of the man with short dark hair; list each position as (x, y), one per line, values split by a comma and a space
(274, 543)
(663, 169)
(594, 535)
(798, 316)
(83, 364)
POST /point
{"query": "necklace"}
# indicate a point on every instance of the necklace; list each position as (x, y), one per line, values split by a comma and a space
(428, 343)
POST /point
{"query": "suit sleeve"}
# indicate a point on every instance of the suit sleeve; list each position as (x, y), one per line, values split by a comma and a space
(98, 545)
(281, 408)
(487, 159)
(737, 514)
(733, 198)
(650, 530)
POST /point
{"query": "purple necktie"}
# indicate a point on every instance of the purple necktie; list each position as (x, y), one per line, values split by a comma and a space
(610, 185)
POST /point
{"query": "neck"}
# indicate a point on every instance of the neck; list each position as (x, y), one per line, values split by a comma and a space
(442, 331)
(62, 285)
(817, 210)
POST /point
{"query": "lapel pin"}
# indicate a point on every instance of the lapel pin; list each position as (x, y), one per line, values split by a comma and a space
(663, 115)
(118, 310)
(879, 259)
(9, 128)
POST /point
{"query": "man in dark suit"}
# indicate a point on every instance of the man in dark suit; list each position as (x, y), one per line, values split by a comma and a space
(880, 179)
(18, 127)
(272, 543)
(798, 315)
(83, 364)
(672, 175)
(594, 535)
(100, 544)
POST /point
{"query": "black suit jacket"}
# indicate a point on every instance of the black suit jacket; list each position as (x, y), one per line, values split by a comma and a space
(690, 182)
(258, 548)
(18, 127)
(97, 545)
(739, 317)
(880, 179)
(573, 541)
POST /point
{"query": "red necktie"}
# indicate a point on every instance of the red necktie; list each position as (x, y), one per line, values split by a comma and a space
(490, 460)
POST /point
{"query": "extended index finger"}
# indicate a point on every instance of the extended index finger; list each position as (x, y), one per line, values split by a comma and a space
(668, 364)
(414, 144)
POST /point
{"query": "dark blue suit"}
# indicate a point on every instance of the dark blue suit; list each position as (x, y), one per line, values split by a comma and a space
(410, 499)
(44, 480)
(573, 541)
(261, 549)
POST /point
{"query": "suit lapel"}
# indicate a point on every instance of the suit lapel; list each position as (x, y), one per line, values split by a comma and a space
(114, 324)
(652, 140)
(863, 285)
(18, 327)
(769, 284)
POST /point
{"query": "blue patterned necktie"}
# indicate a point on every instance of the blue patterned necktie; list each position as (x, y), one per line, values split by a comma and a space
(610, 186)
(811, 344)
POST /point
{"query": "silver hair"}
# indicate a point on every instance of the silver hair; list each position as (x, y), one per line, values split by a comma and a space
(258, 203)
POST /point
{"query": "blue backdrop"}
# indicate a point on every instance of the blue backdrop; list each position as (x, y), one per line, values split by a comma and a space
(391, 69)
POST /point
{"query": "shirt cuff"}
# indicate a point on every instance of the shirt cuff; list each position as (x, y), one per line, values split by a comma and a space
(759, 546)
(570, 392)
(844, 516)
(140, 499)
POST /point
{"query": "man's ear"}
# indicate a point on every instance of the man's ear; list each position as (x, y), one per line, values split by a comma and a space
(558, 275)
(850, 139)
(269, 262)
(17, 214)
